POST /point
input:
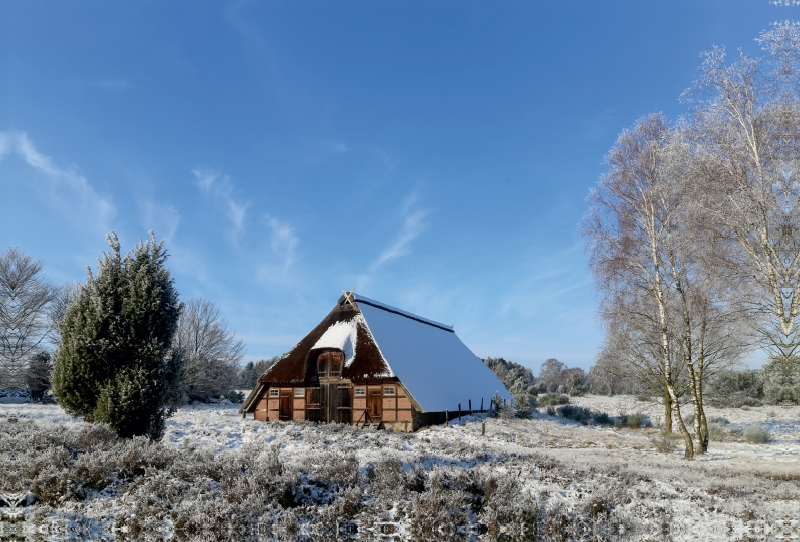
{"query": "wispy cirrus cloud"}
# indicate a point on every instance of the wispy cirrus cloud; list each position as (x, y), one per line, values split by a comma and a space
(65, 190)
(221, 189)
(414, 224)
(162, 219)
(282, 240)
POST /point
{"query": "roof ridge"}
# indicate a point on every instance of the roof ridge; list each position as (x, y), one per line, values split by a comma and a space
(400, 312)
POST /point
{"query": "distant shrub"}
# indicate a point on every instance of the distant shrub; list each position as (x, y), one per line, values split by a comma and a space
(579, 414)
(552, 399)
(602, 418)
(632, 421)
(721, 420)
(644, 398)
(733, 389)
(637, 420)
(757, 434)
(771, 414)
(235, 397)
(717, 432)
(525, 406)
(576, 384)
(575, 413)
(664, 442)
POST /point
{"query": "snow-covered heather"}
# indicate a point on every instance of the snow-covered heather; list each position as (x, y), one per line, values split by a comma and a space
(215, 471)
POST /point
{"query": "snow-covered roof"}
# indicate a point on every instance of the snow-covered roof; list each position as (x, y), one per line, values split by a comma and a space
(342, 335)
(429, 359)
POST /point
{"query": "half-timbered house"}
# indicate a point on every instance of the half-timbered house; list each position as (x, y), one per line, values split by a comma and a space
(369, 363)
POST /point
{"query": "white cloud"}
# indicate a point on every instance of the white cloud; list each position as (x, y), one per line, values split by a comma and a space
(413, 225)
(67, 191)
(162, 219)
(283, 240)
(220, 188)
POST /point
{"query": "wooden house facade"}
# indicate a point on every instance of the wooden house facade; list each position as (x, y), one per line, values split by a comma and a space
(369, 363)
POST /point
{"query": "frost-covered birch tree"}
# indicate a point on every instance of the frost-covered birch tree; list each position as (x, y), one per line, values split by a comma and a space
(25, 297)
(631, 231)
(211, 352)
(744, 137)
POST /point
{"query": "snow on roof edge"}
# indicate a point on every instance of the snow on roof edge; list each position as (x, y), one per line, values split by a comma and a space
(401, 312)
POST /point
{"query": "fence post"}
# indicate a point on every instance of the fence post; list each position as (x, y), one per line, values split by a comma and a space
(470, 407)
(483, 428)
(446, 418)
(459, 411)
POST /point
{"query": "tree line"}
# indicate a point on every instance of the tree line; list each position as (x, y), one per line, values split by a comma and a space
(120, 347)
(694, 234)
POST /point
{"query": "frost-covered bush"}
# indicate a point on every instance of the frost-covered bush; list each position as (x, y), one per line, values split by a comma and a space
(717, 431)
(114, 364)
(525, 405)
(552, 399)
(580, 414)
(637, 420)
(733, 388)
(757, 434)
(632, 421)
(576, 384)
(304, 480)
(664, 442)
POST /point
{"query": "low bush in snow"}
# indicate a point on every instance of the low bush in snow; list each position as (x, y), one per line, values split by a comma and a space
(757, 434)
(579, 414)
(664, 442)
(632, 421)
(306, 481)
(552, 399)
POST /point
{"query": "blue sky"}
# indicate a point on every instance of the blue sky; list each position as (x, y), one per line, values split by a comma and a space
(434, 155)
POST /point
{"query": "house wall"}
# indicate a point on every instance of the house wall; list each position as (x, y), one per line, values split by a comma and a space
(396, 409)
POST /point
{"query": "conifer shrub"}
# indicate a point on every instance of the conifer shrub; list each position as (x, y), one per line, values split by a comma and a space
(114, 364)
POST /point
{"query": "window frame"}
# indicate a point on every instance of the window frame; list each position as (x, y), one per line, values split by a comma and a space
(360, 392)
(389, 390)
(274, 392)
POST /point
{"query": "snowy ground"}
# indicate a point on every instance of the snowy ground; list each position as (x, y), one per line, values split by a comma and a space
(737, 490)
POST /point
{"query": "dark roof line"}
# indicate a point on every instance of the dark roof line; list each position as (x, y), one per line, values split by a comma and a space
(403, 313)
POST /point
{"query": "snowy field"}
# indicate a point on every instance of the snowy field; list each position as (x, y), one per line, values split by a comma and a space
(546, 478)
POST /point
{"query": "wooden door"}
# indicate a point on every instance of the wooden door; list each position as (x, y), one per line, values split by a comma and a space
(285, 405)
(344, 404)
(335, 404)
(327, 401)
(375, 406)
(313, 405)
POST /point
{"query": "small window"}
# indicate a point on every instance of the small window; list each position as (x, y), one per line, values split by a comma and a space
(299, 392)
(361, 391)
(273, 392)
(388, 390)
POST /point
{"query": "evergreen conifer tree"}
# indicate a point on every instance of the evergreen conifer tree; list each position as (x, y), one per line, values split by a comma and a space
(114, 364)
